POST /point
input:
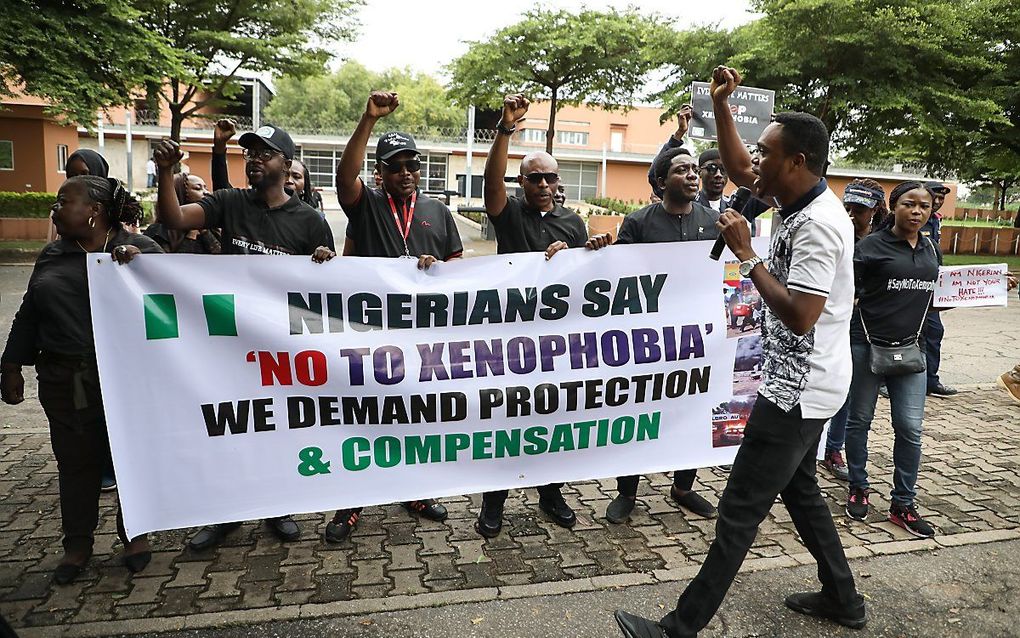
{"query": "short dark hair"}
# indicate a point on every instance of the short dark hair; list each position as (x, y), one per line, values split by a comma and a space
(663, 160)
(805, 133)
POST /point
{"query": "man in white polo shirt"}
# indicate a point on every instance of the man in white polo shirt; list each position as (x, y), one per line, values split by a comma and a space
(807, 285)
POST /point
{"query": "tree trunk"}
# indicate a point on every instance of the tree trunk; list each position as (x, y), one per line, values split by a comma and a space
(550, 133)
(176, 120)
(995, 197)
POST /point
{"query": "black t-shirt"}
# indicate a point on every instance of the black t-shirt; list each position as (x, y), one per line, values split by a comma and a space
(250, 227)
(522, 229)
(894, 285)
(372, 228)
(55, 314)
(652, 224)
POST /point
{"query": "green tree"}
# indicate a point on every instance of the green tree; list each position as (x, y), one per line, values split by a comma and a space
(219, 38)
(595, 57)
(81, 55)
(335, 102)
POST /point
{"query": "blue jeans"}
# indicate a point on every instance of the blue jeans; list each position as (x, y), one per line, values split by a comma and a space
(837, 429)
(906, 399)
(932, 344)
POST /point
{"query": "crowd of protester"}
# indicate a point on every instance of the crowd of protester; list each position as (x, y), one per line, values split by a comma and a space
(846, 284)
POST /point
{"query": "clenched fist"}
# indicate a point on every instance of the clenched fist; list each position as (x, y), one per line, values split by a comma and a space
(514, 108)
(381, 103)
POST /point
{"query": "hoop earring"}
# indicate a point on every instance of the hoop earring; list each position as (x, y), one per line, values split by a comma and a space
(92, 221)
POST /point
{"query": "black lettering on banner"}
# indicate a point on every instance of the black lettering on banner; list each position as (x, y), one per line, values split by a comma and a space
(300, 412)
(304, 313)
(554, 298)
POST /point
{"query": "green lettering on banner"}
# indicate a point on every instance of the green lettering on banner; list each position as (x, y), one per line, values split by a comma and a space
(219, 315)
(160, 317)
(508, 443)
(562, 438)
(387, 451)
(623, 430)
(648, 426)
(481, 445)
(356, 453)
(423, 449)
(535, 438)
(455, 443)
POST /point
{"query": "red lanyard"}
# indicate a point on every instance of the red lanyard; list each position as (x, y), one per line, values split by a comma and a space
(408, 216)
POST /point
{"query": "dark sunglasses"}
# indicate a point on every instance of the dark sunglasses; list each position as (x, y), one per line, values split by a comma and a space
(712, 169)
(536, 178)
(412, 166)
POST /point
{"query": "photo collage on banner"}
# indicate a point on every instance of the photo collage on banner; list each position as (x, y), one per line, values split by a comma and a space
(743, 309)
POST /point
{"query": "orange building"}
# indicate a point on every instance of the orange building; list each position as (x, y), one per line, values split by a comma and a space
(34, 146)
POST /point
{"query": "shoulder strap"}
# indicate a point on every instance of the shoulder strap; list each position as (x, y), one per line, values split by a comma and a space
(924, 316)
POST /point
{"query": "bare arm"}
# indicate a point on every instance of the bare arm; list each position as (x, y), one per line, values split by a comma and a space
(514, 108)
(732, 151)
(169, 211)
(797, 310)
(348, 171)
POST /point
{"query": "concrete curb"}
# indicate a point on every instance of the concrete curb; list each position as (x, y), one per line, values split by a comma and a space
(486, 594)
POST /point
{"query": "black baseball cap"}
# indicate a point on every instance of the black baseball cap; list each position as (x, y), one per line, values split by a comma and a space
(274, 137)
(708, 156)
(863, 195)
(392, 143)
(937, 187)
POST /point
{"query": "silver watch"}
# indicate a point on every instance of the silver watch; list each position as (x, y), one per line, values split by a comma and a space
(747, 266)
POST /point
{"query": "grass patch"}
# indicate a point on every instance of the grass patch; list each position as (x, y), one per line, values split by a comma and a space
(967, 260)
(1007, 222)
(21, 244)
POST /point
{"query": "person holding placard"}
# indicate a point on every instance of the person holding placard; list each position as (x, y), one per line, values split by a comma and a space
(895, 270)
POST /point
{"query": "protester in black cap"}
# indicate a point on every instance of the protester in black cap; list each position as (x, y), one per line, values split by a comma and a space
(934, 331)
(261, 220)
(676, 140)
(85, 161)
(396, 220)
(538, 223)
(864, 201)
(53, 331)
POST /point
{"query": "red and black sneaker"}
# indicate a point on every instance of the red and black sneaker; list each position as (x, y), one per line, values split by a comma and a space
(428, 508)
(338, 529)
(857, 504)
(908, 518)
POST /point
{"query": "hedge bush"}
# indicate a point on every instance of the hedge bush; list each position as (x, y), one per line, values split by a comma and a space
(617, 206)
(26, 204)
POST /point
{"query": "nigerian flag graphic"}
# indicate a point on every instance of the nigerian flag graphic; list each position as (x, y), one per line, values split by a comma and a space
(161, 321)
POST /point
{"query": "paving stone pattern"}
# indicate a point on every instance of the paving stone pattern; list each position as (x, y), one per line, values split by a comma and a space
(969, 482)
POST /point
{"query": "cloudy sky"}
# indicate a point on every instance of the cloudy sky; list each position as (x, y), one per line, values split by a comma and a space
(426, 35)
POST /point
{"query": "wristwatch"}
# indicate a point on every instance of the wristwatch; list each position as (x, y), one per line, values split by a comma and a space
(747, 266)
(504, 130)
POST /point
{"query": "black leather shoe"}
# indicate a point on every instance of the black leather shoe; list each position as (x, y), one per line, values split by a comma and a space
(65, 573)
(558, 511)
(137, 562)
(619, 510)
(693, 502)
(637, 627)
(284, 528)
(428, 508)
(490, 521)
(823, 606)
(941, 390)
(211, 536)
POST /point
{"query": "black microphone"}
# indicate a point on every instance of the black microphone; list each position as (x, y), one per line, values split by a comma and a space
(737, 203)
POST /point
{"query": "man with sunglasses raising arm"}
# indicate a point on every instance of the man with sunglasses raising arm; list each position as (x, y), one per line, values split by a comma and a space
(396, 220)
(261, 220)
(536, 223)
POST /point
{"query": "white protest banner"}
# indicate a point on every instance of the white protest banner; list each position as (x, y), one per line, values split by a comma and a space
(970, 286)
(240, 387)
(751, 109)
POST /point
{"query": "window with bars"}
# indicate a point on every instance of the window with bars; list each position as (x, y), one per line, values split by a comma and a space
(321, 164)
(580, 180)
(61, 157)
(6, 155)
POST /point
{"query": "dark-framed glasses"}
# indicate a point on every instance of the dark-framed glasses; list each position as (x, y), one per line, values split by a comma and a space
(263, 154)
(412, 165)
(712, 169)
(536, 178)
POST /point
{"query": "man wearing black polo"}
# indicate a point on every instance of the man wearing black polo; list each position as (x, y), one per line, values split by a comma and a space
(678, 217)
(808, 289)
(261, 220)
(934, 331)
(396, 220)
(713, 181)
(536, 223)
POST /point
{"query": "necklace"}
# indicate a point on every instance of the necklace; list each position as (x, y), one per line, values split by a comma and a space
(104, 243)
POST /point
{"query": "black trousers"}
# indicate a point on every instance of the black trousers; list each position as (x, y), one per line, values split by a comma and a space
(70, 397)
(498, 497)
(777, 457)
(683, 480)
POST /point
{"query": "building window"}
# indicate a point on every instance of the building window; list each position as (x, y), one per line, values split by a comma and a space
(321, 165)
(6, 155)
(61, 157)
(580, 180)
(572, 138)
(433, 172)
(533, 136)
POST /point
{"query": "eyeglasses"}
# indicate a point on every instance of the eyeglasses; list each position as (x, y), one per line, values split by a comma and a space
(536, 178)
(712, 169)
(263, 154)
(412, 166)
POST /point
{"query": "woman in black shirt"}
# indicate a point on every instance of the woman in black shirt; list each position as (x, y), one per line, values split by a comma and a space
(190, 189)
(895, 269)
(53, 331)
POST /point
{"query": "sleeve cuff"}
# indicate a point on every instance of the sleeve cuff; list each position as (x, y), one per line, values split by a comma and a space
(811, 290)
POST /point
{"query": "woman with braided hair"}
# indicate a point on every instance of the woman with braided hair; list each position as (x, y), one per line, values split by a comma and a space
(190, 189)
(53, 331)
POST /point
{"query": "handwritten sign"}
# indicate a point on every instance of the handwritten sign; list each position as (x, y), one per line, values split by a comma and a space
(970, 286)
